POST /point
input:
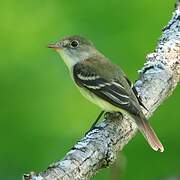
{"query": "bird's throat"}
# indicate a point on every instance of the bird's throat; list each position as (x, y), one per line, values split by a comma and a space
(68, 60)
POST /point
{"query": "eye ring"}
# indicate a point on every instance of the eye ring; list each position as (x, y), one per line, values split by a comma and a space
(74, 43)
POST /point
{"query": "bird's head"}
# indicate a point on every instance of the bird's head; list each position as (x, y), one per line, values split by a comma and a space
(74, 49)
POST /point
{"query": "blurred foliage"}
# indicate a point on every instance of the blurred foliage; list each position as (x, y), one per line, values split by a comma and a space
(43, 114)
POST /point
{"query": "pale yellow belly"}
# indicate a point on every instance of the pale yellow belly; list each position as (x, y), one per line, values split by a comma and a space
(104, 105)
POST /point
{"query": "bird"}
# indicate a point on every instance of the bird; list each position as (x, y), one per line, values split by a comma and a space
(104, 83)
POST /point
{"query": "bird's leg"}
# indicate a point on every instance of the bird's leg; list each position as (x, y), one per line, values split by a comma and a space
(108, 115)
(95, 122)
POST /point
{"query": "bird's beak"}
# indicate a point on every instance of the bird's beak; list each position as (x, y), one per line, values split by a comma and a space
(54, 46)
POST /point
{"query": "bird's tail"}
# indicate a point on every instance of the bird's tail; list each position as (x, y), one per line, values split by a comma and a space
(146, 129)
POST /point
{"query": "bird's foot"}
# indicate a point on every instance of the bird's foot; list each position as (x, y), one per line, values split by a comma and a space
(113, 115)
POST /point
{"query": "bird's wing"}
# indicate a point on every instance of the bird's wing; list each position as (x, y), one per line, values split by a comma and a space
(110, 90)
(135, 92)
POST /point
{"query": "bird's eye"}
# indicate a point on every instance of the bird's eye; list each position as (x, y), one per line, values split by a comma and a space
(74, 43)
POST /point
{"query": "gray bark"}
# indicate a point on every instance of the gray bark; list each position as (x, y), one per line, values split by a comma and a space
(98, 149)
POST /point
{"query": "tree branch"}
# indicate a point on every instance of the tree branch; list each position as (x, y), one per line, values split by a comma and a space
(99, 148)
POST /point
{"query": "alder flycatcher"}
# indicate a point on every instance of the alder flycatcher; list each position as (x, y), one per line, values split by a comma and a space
(103, 83)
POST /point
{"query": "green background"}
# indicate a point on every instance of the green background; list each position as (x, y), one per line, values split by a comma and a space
(42, 114)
